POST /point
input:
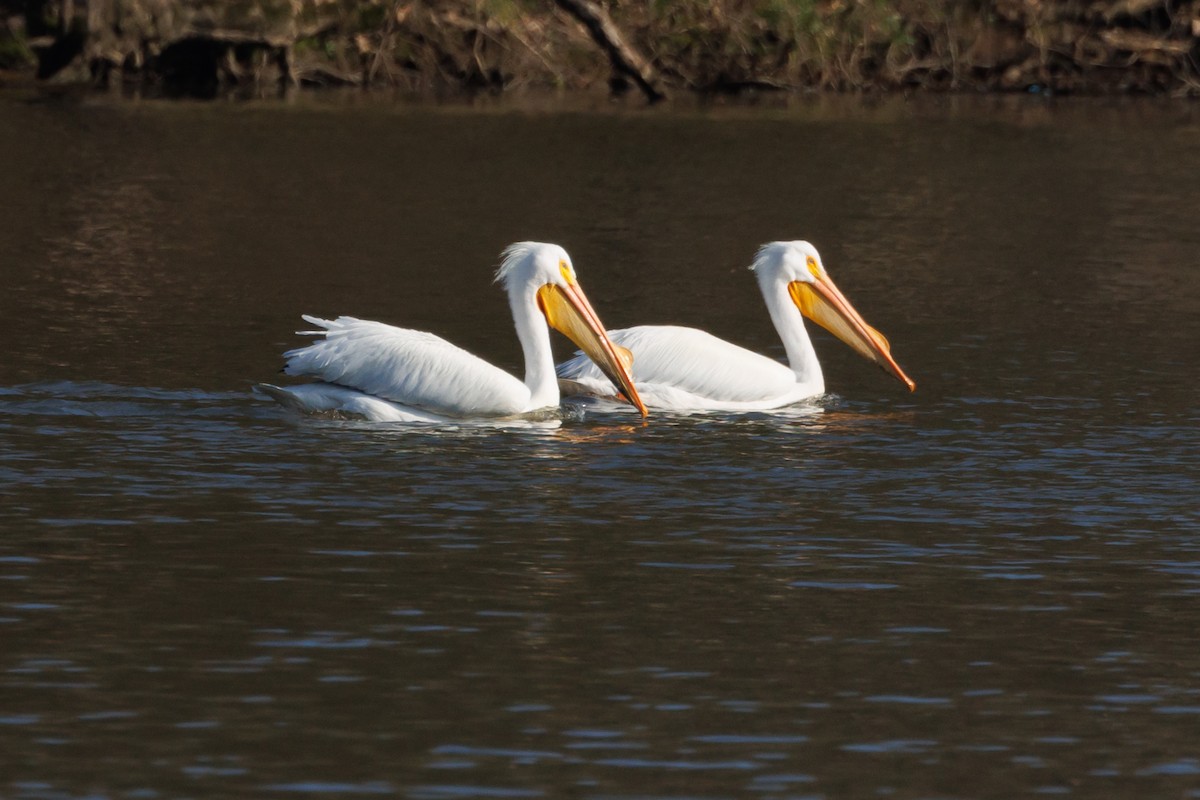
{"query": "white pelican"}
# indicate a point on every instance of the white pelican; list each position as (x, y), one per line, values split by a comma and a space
(385, 373)
(682, 369)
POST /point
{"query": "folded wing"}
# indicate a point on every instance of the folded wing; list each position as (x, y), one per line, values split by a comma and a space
(410, 367)
(691, 361)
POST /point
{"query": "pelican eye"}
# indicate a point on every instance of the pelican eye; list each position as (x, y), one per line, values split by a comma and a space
(567, 273)
(813, 267)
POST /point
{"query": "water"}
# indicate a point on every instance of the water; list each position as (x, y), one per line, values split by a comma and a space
(984, 589)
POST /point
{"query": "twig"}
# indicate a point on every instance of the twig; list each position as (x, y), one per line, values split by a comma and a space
(624, 58)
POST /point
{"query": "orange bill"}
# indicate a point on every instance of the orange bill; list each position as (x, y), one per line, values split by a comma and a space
(824, 304)
(568, 311)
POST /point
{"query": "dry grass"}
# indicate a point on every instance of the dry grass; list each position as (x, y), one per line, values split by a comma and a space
(693, 45)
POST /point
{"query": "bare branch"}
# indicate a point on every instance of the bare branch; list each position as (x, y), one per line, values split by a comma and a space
(625, 60)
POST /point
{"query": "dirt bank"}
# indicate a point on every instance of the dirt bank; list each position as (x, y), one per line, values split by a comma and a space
(205, 47)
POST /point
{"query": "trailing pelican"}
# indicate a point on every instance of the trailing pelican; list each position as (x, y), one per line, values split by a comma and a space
(385, 373)
(677, 368)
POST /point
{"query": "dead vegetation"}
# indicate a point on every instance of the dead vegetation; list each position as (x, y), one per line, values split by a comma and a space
(658, 47)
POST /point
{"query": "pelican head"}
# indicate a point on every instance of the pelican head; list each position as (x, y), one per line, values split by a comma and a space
(540, 276)
(798, 266)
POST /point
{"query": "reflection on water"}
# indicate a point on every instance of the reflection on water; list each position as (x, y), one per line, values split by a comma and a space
(985, 588)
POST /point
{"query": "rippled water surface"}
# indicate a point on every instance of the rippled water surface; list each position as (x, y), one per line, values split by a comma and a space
(988, 588)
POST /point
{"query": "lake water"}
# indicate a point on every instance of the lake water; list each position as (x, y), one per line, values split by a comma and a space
(988, 588)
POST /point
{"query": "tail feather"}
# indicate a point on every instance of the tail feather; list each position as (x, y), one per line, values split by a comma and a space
(281, 396)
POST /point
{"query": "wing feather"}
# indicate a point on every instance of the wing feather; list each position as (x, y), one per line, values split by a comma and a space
(404, 366)
(691, 361)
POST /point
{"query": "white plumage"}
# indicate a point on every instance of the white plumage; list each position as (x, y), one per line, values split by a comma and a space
(385, 373)
(679, 368)
(692, 367)
(413, 368)
(326, 398)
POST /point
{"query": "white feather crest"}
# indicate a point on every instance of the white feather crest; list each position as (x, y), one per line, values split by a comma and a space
(513, 255)
(522, 260)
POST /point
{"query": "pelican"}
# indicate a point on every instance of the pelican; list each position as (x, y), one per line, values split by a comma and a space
(384, 373)
(684, 369)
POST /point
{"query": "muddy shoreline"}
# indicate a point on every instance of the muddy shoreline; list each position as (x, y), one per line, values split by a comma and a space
(204, 49)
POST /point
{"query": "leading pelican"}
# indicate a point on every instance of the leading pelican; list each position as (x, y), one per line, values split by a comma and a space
(385, 373)
(686, 369)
